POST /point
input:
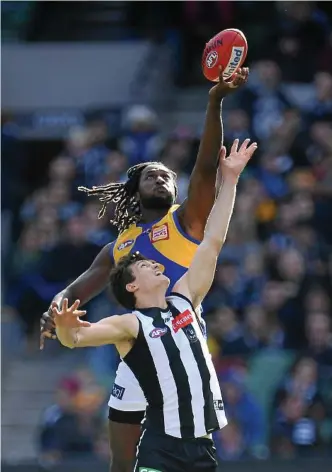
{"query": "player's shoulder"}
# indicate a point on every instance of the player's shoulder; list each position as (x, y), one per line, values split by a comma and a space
(179, 298)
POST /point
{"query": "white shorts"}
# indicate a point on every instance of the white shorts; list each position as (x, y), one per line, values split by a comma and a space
(126, 394)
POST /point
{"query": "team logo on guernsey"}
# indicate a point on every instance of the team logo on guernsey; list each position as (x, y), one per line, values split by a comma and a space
(182, 320)
(157, 332)
(125, 244)
(159, 233)
(191, 334)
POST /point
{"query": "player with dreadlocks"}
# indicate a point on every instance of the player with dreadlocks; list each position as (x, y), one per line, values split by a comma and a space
(123, 195)
(148, 221)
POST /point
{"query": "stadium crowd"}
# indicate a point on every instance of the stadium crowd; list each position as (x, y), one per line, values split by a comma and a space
(269, 313)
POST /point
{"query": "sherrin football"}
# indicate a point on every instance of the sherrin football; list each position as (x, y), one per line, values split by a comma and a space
(227, 49)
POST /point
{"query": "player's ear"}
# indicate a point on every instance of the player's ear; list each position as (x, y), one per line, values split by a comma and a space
(132, 287)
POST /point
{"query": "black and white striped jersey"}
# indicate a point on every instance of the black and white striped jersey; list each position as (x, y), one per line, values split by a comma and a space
(172, 363)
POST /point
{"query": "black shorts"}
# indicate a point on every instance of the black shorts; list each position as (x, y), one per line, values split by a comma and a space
(126, 417)
(161, 453)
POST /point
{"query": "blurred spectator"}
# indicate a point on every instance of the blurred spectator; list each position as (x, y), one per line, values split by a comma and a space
(319, 335)
(141, 141)
(299, 412)
(226, 330)
(302, 30)
(72, 426)
(230, 443)
(242, 408)
(264, 99)
(57, 267)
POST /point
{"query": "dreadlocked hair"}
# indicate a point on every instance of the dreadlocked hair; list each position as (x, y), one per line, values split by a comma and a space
(123, 195)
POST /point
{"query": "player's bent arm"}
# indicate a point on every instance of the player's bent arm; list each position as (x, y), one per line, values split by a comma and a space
(111, 330)
(198, 279)
(91, 282)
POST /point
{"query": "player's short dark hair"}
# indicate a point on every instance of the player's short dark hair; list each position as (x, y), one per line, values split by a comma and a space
(122, 275)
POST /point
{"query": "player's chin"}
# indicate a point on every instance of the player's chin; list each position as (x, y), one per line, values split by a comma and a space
(159, 200)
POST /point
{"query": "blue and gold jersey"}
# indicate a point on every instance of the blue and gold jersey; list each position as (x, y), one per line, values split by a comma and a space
(163, 241)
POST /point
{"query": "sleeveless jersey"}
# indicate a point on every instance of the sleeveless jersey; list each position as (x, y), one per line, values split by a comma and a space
(165, 242)
(172, 363)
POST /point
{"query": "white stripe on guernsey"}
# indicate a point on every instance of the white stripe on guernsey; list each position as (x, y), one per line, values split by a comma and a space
(182, 305)
(137, 449)
(214, 384)
(165, 378)
(194, 378)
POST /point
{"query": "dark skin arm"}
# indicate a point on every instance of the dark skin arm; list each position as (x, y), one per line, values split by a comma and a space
(195, 211)
(92, 282)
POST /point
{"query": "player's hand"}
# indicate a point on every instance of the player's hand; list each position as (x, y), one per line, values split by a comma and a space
(224, 88)
(69, 317)
(233, 165)
(47, 326)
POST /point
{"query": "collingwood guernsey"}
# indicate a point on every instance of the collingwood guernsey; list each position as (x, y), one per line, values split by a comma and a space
(172, 363)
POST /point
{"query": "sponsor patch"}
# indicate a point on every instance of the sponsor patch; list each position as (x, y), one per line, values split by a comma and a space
(125, 244)
(159, 233)
(211, 59)
(182, 320)
(234, 61)
(158, 332)
(218, 404)
(118, 391)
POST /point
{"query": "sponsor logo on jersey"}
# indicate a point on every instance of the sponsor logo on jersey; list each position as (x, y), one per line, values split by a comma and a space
(234, 62)
(118, 391)
(159, 233)
(211, 59)
(191, 334)
(218, 404)
(182, 320)
(125, 244)
(157, 332)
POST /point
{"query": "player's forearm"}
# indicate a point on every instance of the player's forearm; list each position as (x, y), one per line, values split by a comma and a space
(59, 297)
(217, 225)
(212, 137)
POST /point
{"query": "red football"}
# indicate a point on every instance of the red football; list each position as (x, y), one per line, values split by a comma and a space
(227, 49)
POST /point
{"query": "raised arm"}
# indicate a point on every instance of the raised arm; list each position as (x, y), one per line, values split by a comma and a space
(194, 212)
(198, 279)
(73, 332)
(84, 288)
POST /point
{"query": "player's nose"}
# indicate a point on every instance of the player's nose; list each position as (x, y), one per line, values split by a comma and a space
(160, 180)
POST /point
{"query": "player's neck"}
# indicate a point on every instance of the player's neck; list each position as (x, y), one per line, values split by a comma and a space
(154, 299)
(149, 215)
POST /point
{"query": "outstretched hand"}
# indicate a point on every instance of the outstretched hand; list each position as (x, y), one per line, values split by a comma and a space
(224, 88)
(69, 317)
(232, 166)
